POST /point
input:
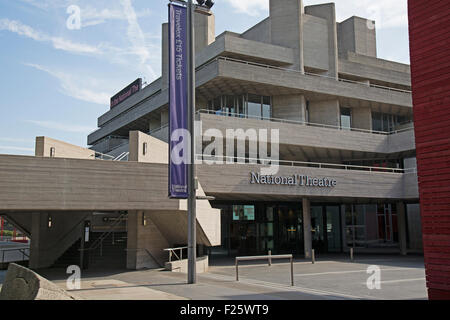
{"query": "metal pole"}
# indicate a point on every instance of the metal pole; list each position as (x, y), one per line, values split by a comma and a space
(351, 254)
(237, 270)
(292, 271)
(313, 256)
(270, 259)
(192, 239)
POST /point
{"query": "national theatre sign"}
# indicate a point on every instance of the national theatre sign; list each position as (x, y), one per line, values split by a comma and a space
(293, 180)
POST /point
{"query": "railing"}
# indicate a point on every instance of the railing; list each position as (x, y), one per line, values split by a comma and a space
(269, 258)
(310, 124)
(158, 129)
(256, 64)
(172, 252)
(122, 156)
(22, 250)
(99, 241)
(255, 161)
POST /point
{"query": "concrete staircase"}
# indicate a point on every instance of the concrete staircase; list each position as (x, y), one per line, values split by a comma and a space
(111, 253)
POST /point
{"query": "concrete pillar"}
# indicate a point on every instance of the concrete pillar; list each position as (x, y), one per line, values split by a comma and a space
(154, 123)
(146, 244)
(401, 221)
(289, 107)
(164, 117)
(362, 118)
(307, 228)
(357, 35)
(35, 240)
(205, 31)
(325, 112)
(328, 12)
(286, 27)
(165, 57)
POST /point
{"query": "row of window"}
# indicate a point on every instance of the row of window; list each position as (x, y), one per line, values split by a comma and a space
(260, 107)
(242, 106)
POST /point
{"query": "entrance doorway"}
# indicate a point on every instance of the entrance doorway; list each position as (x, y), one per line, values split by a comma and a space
(326, 228)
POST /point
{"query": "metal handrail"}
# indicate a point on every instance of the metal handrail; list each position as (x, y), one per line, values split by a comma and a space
(312, 124)
(157, 129)
(306, 73)
(254, 161)
(172, 252)
(269, 258)
(100, 239)
(122, 156)
(21, 250)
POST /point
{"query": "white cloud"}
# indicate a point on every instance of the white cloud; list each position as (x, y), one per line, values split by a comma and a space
(92, 16)
(66, 127)
(57, 42)
(14, 148)
(81, 87)
(15, 140)
(137, 38)
(386, 13)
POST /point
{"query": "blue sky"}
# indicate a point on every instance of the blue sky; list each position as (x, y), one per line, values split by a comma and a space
(56, 82)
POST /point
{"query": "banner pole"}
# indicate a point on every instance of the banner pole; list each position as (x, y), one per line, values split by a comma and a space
(192, 220)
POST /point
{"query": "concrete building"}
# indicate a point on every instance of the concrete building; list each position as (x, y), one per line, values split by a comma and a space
(345, 132)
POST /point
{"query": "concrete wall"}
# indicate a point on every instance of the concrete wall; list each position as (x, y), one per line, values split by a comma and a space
(325, 112)
(260, 32)
(62, 149)
(350, 184)
(286, 27)
(328, 13)
(357, 35)
(289, 107)
(315, 39)
(146, 243)
(48, 244)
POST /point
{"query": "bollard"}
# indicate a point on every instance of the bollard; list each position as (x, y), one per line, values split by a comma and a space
(237, 270)
(313, 256)
(292, 271)
(270, 259)
(351, 254)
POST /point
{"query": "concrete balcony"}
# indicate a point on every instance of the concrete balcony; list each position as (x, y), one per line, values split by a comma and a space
(235, 182)
(311, 141)
(227, 76)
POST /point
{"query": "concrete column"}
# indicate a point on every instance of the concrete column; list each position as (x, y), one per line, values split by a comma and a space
(362, 118)
(325, 112)
(146, 243)
(328, 12)
(307, 228)
(286, 27)
(205, 31)
(164, 117)
(289, 107)
(401, 221)
(35, 240)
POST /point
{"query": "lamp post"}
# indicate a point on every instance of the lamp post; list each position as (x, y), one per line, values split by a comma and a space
(202, 7)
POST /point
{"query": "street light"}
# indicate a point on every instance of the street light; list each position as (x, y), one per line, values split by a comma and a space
(202, 7)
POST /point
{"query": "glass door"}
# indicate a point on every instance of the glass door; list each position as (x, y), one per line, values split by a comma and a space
(334, 242)
(290, 230)
(317, 230)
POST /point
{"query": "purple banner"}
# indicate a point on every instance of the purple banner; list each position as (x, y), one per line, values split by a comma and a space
(178, 103)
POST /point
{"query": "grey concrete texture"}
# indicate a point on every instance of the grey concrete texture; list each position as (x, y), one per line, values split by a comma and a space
(21, 283)
(330, 278)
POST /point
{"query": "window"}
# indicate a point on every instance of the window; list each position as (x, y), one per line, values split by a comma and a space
(346, 118)
(243, 213)
(52, 152)
(254, 106)
(251, 106)
(384, 122)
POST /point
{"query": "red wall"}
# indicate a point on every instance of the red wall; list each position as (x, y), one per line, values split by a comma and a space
(429, 26)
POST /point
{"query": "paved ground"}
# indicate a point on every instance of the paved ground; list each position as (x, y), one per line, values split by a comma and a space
(333, 278)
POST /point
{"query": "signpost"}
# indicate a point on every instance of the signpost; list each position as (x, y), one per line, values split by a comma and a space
(182, 182)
